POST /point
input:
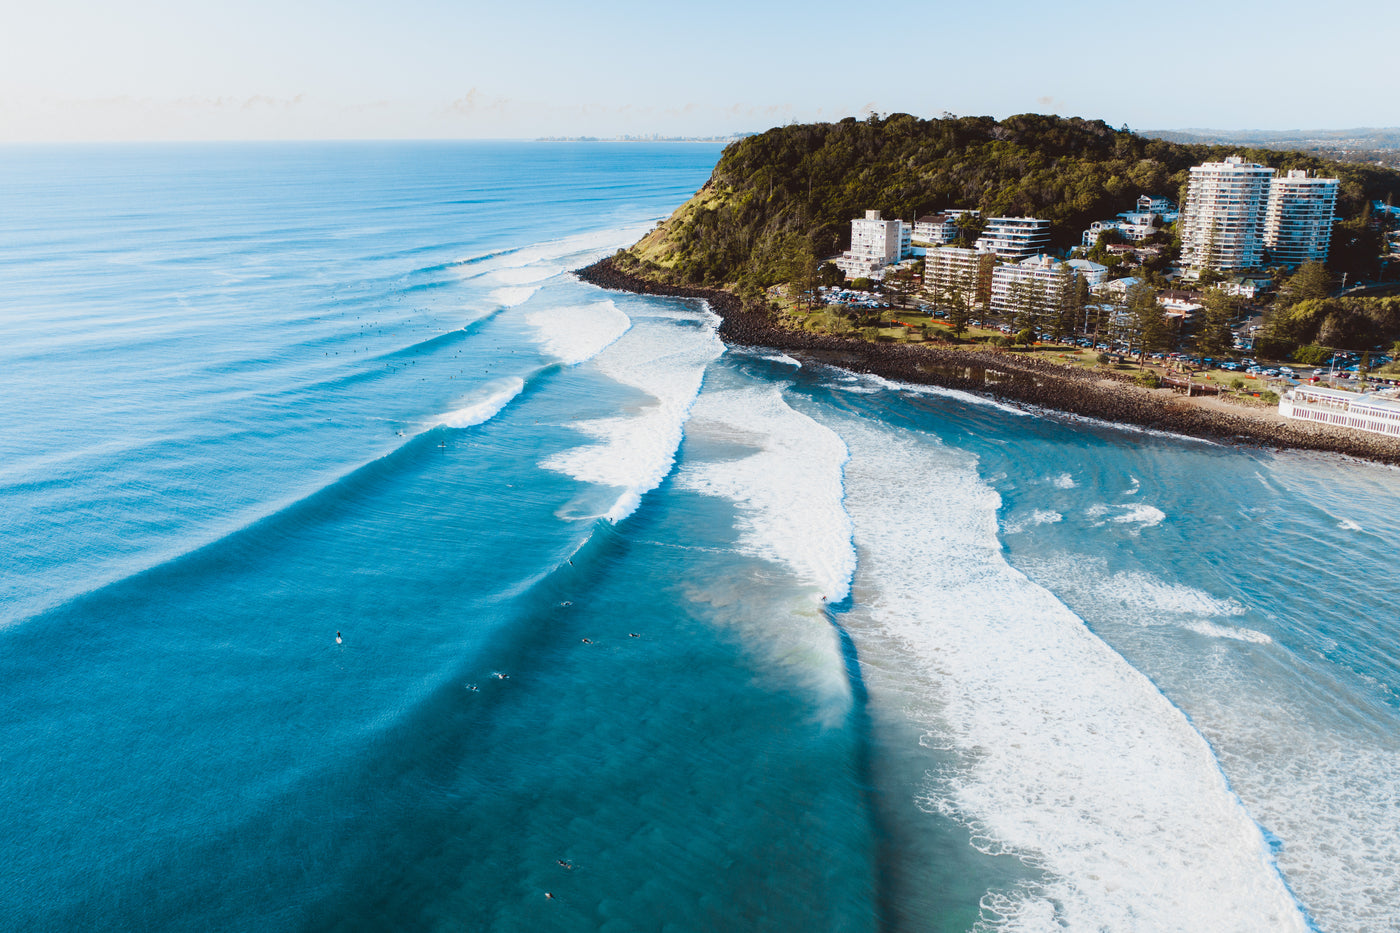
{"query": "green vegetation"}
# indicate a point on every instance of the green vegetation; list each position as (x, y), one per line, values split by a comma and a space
(779, 197)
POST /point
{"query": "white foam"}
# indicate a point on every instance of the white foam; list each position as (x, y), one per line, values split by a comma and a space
(512, 295)
(635, 451)
(582, 245)
(784, 358)
(1208, 628)
(1037, 517)
(971, 398)
(1064, 754)
(1150, 597)
(1063, 481)
(484, 404)
(1347, 524)
(1147, 516)
(525, 275)
(1144, 516)
(1324, 782)
(575, 333)
(788, 491)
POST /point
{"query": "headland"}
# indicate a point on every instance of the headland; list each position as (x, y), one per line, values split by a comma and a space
(1012, 377)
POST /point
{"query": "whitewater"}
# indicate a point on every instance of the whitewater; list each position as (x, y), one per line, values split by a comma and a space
(638, 628)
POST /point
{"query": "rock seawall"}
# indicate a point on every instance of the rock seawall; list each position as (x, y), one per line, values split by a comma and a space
(1008, 376)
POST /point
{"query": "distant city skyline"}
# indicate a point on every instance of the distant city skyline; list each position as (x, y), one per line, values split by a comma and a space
(75, 70)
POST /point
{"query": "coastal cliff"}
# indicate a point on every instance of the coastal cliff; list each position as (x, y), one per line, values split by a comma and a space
(778, 200)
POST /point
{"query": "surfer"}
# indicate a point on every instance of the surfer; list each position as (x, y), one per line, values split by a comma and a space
(337, 637)
(565, 864)
(588, 641)
(634, 635)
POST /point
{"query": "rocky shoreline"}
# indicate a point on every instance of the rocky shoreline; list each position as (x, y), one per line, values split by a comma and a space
(1008, 376)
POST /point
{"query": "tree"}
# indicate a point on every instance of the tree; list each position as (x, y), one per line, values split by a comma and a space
(1213, 334)
(800, 269)
(830, 274)
(959, 311)
(1310, 281)
(900, 284)
(1146, 320)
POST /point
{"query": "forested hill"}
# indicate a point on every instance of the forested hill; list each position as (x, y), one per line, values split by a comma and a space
(794, 189)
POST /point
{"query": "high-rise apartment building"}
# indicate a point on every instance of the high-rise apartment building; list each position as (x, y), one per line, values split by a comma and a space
(1222, 223)
(1298, 220)
(875, 243)
(1236, 210)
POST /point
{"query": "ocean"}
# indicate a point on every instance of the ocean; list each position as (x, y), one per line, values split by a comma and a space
(365, 570)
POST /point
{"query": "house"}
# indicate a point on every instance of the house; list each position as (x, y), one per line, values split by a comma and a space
(1091, 272)
(1178, 302)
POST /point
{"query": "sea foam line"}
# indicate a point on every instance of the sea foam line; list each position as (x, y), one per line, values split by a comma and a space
(788, 491)
(665, 359)
(575, 333)
(1065, 754)
(484, 405)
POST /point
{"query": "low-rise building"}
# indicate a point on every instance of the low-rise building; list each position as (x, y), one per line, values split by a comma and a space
(1117, 288)
(1015, 238)
(1134, 225)
(1367, 412)
(1178, 301)
(1091, 272)
(938, 229)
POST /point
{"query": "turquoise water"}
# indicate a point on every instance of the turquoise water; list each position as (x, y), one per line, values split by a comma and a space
(638, 631)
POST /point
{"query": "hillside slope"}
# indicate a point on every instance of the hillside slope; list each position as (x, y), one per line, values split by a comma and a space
(793, 190)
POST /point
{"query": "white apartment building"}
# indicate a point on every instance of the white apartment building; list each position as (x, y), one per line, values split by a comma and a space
(1035, 286)
(875, 243)
(1298, 219)
(950, 268)
(937, 229)
(1015, 238)
(1222, 223)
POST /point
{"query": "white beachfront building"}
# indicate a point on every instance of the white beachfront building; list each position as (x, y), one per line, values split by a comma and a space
(1015, 238)
(949, 269)
(875, 244)
(1346, 409)
(1033, 286)
(1298, 219)
(1222, 223)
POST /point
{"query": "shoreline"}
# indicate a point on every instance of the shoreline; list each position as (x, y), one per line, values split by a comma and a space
(1007, 377)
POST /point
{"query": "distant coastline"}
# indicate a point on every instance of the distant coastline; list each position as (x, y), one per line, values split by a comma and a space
(1011, 377)
(732, 137)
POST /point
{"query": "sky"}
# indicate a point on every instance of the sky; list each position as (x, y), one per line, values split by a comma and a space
(81, 70)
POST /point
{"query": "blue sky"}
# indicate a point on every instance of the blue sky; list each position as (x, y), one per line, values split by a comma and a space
(161, 69)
